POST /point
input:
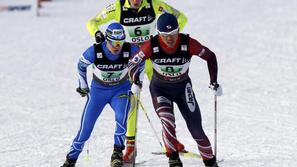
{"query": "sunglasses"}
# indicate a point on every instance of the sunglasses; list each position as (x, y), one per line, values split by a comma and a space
(173, 32)
(116, 43)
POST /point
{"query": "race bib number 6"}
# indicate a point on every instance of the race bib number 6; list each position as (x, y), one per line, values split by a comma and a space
(138, 34)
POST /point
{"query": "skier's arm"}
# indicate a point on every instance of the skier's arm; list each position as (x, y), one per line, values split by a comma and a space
(137, 84)
(140, 69)
(160, 7)
(136, 62)
(195, 48)
(85, 60)
(111, 12)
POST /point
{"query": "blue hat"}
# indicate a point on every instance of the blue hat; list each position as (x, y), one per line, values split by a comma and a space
(167, 23)
(115, 31)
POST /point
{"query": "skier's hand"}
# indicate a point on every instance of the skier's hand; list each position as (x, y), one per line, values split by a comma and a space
(135, 89)
(99, 37)
(217, 89)
(83, 91)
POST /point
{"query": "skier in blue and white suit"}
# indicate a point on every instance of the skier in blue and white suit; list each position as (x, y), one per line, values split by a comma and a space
(110, 85)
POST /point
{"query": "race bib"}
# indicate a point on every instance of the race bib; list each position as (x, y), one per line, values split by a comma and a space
(111, 76)
(171, 71)
(139, 33)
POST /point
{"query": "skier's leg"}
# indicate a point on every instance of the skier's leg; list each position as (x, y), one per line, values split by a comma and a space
(162, 97)
(93, 108)
(132, 118)
(131, 124)
(131, 150)
(190, 111)
(120, 103)
(164, 109)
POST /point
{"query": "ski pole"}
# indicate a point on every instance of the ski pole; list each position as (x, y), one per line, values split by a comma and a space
(135, 143)
(215, 125)
(151, 125)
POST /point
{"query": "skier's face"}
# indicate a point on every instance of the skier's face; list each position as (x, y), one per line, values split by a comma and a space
(169, 38)
(135, 4)
(115, 46)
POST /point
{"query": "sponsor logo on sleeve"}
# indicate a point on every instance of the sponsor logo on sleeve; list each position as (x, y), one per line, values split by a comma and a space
(110, 8)
(103, 15)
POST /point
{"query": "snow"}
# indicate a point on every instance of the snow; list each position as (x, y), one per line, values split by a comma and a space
(255, 43)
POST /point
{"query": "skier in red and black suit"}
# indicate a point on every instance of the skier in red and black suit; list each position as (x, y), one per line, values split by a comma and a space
(171, 53)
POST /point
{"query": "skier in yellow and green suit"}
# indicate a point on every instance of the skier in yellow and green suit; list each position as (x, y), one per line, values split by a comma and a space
(138, 18)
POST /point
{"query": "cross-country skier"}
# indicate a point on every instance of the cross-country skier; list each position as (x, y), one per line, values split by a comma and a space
(138, 17)
(171, 53)
(110, 85)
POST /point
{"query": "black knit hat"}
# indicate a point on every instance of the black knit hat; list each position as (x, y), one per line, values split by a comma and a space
(167, 23)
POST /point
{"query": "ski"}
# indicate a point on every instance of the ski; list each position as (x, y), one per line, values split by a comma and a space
(188, 154)
(184, 153)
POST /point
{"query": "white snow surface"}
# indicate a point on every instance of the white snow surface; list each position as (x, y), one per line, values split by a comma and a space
(255, 43)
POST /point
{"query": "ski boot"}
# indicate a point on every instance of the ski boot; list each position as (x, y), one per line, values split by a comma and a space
(174, 160)
(117, 157)
(211, 162)
(129, 152)
(69, 163)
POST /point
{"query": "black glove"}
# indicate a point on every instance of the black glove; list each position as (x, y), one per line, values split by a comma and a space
(217, 89)
(83, 91)
(214, 86)
(99, 37)
(138, 83)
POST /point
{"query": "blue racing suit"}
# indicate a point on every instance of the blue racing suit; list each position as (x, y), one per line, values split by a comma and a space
(110, 85)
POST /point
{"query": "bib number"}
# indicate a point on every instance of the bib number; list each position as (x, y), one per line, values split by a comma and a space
(139, 34)
(111, 76)
(137, 31)
(171, 71)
